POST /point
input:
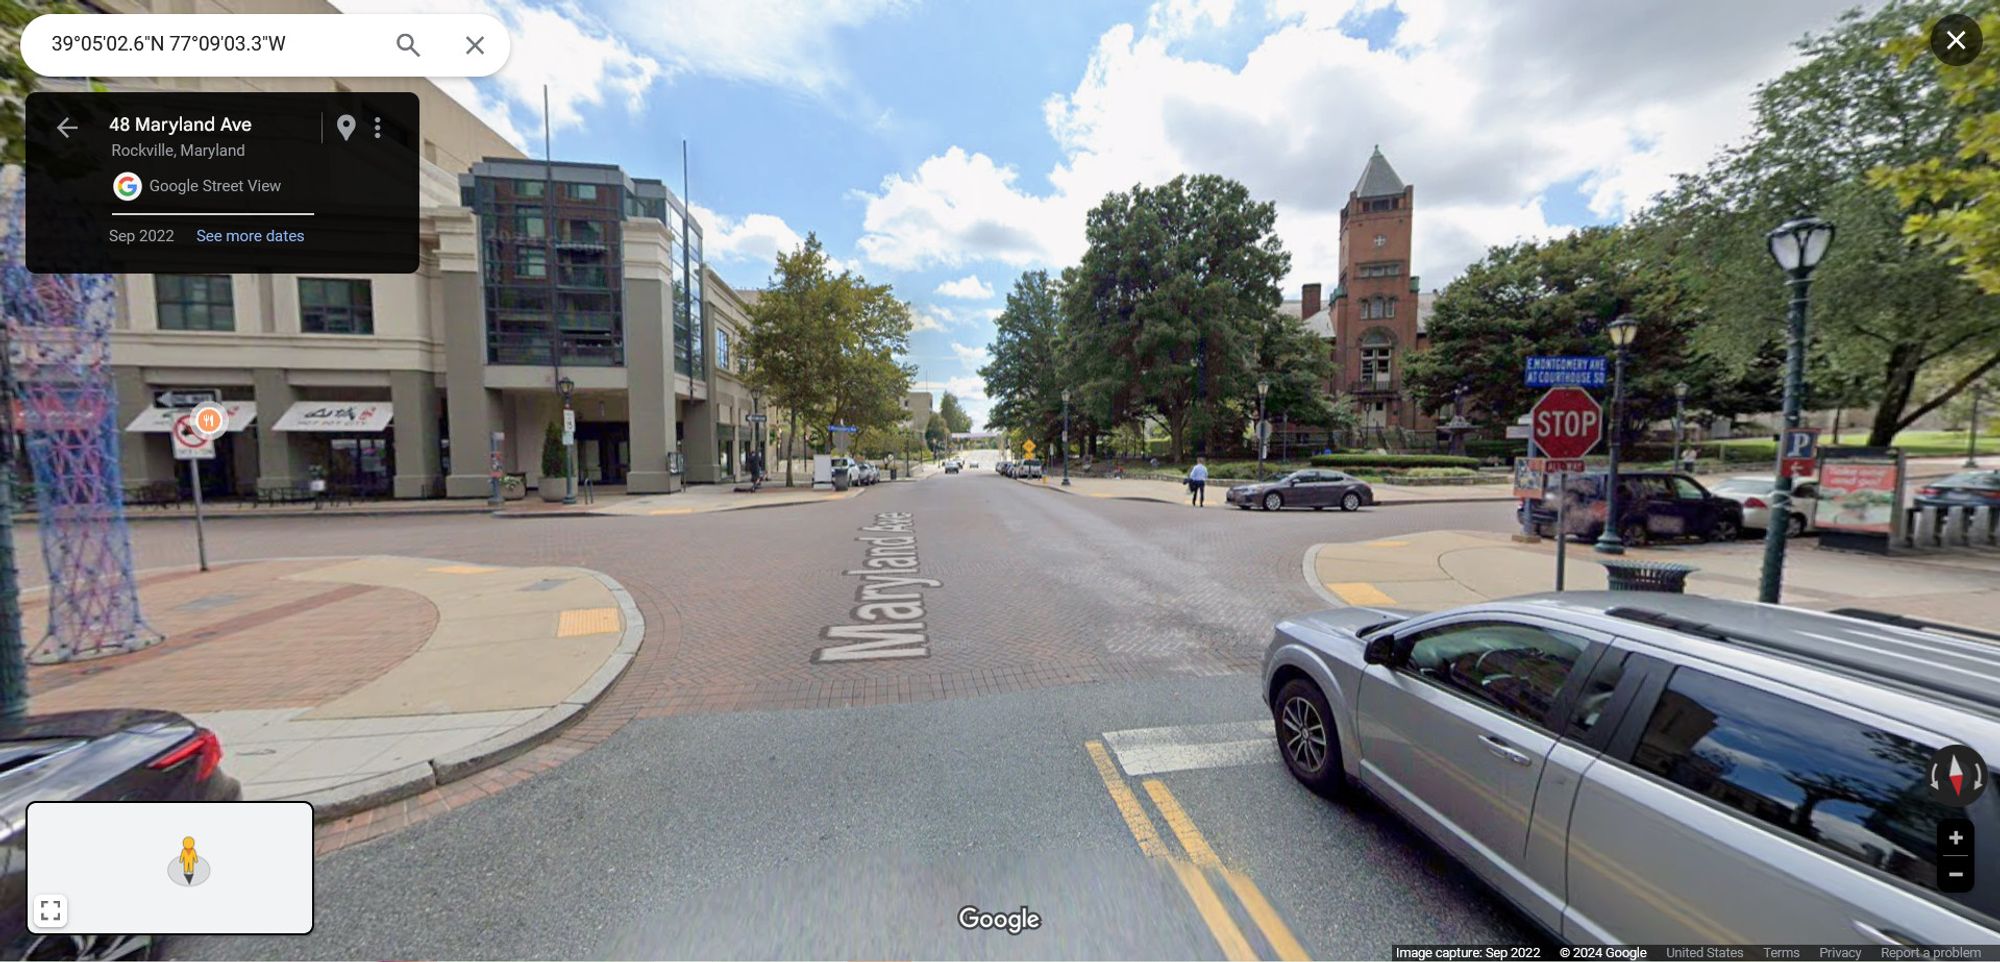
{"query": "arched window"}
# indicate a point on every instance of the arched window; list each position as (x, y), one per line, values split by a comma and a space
(1378, 347)
(1392, 308)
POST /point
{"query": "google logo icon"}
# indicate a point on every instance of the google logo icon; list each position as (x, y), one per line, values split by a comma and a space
(126, 186)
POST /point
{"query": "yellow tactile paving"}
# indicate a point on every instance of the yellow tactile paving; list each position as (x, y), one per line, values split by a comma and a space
(1359, 593)
(586, 621)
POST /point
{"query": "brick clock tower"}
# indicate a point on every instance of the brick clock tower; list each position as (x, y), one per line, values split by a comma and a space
(1374, 308)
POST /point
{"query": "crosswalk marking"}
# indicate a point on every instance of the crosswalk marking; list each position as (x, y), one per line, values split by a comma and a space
(1359, 593)
(1177, 748)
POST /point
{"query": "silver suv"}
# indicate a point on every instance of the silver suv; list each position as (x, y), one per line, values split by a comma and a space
(1656, 768)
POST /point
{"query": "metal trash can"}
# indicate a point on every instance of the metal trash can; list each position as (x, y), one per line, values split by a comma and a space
(840, 479)
(1667, 576)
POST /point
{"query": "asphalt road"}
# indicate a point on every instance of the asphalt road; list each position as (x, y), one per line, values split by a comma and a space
(861, 832)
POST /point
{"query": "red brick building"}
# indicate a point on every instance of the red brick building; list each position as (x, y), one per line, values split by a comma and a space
(1376, 315)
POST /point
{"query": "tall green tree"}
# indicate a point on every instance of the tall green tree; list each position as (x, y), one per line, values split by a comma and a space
(1954, 201)
(823, 346)
(1165, 311)
(1024, 374)
(1555, 298)
(954, 414)
(1885, 307)
(1299, 366)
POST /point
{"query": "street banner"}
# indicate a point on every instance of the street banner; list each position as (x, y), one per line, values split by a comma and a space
(1561, 371)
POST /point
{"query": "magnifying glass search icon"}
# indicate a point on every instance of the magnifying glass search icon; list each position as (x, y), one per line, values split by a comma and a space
(406, 42)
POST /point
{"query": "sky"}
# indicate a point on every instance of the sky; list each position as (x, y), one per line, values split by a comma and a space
(946, 146)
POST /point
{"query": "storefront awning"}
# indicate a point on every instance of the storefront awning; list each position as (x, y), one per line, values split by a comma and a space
(241, 415)
(336, 416)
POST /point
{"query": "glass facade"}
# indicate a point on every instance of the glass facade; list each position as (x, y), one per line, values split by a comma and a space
(330, 305)
(551, 269)
(553, 263)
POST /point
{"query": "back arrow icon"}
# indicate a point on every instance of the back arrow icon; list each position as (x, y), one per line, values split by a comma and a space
(65, 127)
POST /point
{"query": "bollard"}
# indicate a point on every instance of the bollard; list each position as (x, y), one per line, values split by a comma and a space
(1959, 533)
(1992, 527)
(1933, 522)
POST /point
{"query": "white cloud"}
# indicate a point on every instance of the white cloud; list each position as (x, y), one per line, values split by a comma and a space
(1484, 108)
(973, 358)
(783, 43)
(970, 391)
(926, 318)
(969, 288)
(580, 58)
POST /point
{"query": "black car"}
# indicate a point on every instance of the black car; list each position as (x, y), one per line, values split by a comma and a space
(1966, 489)
(1315, 488)
(108, 755)
(1652, 506)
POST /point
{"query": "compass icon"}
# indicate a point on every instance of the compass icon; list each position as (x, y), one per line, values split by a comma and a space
(1957, 776)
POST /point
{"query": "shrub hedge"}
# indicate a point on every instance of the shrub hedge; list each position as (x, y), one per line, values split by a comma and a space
(1393, 461)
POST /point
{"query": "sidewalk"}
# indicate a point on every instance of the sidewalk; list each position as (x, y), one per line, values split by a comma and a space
(349, 682)
(1174, 492)
(1431, 570)
(720, 497)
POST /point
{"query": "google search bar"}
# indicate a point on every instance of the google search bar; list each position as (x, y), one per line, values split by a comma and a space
(266, 45)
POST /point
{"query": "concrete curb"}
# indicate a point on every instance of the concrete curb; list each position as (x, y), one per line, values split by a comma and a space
(1310, 568)
(341, 801)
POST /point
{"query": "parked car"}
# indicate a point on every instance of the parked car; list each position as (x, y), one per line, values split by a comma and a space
(1753, 492)
(866, 472)
(1636, 768)
(1005, 467)
(1964, 489)
(1652, 506)
(972, 464)
(1313, 488)
(951, 467)
(1031, 468)
(104, 755)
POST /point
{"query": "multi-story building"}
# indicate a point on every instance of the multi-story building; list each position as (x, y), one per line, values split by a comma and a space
(531, 275)
(917, 411)
(1378, 313)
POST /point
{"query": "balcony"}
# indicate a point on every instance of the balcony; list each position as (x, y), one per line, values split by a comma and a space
(1373, 386)
(530, 348)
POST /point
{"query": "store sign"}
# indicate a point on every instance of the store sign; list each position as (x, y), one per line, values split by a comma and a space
(159, 419)
(336, 416)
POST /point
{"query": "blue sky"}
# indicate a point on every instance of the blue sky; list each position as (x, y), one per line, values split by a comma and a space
(946, 146)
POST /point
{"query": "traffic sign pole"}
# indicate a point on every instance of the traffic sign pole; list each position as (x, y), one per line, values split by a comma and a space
(200, 536)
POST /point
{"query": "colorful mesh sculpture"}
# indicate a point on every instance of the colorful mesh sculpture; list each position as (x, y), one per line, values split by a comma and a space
(58, 330)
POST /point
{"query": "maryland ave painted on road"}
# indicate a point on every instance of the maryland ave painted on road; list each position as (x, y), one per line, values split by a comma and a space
(889, 608)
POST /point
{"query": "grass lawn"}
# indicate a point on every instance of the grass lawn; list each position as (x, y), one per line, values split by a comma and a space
(1916, 444)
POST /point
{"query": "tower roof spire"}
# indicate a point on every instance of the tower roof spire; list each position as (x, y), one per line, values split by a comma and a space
(1378, 179)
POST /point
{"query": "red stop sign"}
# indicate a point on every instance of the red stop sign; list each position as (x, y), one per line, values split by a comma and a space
(1566, 423)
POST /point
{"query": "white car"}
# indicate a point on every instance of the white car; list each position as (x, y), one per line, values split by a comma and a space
(1031, 468)
(1753, 491)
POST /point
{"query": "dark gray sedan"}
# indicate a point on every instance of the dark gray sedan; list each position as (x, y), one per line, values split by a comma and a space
(1970, 489)
(1315, 488)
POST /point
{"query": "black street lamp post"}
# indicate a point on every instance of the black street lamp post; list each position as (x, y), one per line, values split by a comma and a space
(567, 388)
(1797, 246)
(1680, 406)
(1263, 426)
(1972, 441)
(1065, 437)
(1622, 330)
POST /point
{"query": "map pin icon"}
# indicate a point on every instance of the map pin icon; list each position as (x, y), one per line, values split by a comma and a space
(345, 125)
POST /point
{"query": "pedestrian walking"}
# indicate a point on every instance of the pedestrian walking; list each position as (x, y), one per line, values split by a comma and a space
(1197, 482)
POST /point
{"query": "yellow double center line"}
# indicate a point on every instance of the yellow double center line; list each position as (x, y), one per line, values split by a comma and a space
(1194, 868)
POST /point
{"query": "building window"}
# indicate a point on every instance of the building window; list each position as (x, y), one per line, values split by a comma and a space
(195, 302)
(1382, 269)
(528, 188)
(534, 263)
(528, 222)
(1381, 204)
(581, 191)
(1376, 349)
(722, 349)
(336, 306)
(1390, 306)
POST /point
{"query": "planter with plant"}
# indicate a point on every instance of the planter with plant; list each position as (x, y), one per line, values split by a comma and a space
(555, 465)
(513, 487)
